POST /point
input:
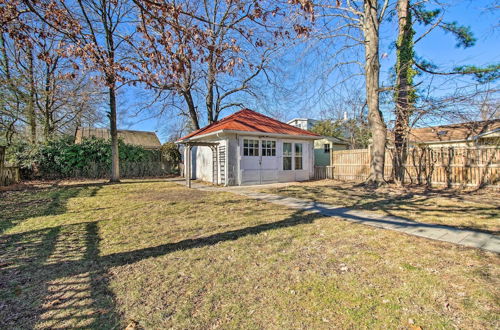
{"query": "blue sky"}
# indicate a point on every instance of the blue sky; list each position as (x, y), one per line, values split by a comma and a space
(437, 47)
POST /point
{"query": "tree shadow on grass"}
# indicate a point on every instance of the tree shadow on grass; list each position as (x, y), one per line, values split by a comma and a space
(18, 206)
(55, 278)
(52, 279)
(421, 205)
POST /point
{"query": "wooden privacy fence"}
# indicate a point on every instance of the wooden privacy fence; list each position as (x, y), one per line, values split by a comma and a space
(323, 172)
(471, 166)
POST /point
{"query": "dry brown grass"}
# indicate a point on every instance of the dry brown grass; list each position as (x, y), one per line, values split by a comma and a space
(157, 255)
(470, 209)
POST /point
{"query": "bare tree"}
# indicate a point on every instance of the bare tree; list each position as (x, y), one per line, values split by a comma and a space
(208, 53)
(96, 34)
(40, 88)
(354, 24)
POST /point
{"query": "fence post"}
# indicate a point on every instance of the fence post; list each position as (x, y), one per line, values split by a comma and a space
(369, 155)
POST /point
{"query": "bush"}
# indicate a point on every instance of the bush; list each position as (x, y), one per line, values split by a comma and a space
(61, 157)
(170, 153)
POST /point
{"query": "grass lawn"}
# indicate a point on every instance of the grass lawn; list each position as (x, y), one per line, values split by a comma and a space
(478, 210)
(152, 254)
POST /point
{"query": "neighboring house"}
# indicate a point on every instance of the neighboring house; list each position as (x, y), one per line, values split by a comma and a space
(476, 133)
(304, 123)
(322, 147)
(249, 148)
(147, 140)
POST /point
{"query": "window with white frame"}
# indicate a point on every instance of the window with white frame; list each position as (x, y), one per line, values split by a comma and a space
(287, 156)
(268, 148)
(326, 148)
(298, 156)
(250, 147)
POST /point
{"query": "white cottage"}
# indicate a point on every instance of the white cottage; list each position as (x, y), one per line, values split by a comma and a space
(249, 148)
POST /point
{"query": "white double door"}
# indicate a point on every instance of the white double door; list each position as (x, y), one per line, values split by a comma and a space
(261, 168)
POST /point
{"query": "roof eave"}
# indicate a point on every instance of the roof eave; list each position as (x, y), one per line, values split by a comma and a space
(223, 131)
(468, 139)
(334, 139)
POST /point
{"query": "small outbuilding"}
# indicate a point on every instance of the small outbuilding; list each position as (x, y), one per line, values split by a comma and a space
(248, 148)
(322, 147)
(144, 139)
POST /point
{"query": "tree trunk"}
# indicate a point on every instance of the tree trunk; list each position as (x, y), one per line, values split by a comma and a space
(30, 109)
(404, 93)
(209, 99)
(111, 84)
(5, 58)
(115, 159)
(47, 118)
(193, 115)
(372, 73)
(9, 127)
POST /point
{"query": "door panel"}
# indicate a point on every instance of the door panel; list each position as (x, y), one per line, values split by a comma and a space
(250, 161)
(269, 161)
(262, 168)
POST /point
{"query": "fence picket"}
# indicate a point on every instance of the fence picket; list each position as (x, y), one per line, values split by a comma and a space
(470, 166)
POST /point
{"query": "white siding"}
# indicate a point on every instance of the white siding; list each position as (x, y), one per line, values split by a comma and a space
(261, 169)
(247, 170)
(232, 161)
(202, 163)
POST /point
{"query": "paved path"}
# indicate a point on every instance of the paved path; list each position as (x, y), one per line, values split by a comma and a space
(463, 237)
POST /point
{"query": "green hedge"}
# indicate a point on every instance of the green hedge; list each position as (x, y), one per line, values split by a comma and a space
(62, 158)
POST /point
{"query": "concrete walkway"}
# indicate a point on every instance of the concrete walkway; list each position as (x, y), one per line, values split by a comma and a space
(463, 237)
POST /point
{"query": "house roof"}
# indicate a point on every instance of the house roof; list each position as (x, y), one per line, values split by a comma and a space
(138, 138)
(334, 139)
(454, 132)
(247, 120)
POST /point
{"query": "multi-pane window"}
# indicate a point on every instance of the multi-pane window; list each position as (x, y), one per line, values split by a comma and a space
(250, 147)
(268, 148)
(287, 156)
(326, 148)
(298, 156)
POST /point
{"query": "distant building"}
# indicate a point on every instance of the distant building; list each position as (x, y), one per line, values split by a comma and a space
(303, 123)
(322, 147)
(475, 133)
(147, 140)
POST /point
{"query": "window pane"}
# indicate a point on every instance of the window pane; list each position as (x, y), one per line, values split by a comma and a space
(268, 148)
(250, 147)
(298, 149)
(287, 163)
(287, 149)
(298, 163)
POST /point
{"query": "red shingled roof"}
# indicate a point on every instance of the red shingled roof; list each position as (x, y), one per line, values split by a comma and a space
(247, 120)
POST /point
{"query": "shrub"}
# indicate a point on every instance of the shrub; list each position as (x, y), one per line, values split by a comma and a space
(170, 153)
(61, 157)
